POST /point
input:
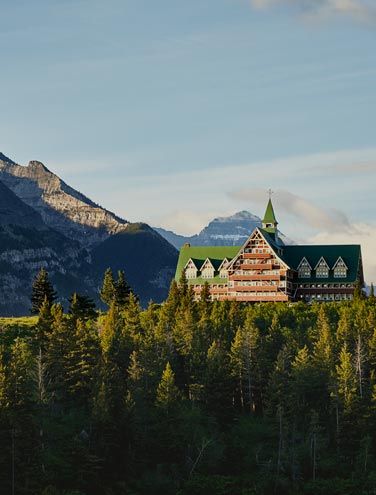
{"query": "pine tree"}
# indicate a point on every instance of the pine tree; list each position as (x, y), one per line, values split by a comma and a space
(116, 348)
(108, 290)
(42, 289)
(323, 347)
(44, 325)
(82, 307)
(244, 363)
(83, 363)
(122, 290)
(167, 392)
(59, 343)
(132, 323)
(21, 414)
(346, 379)
(218, 382)
(183, 284)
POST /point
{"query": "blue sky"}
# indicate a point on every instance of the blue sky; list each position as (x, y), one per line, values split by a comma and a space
(173, 112)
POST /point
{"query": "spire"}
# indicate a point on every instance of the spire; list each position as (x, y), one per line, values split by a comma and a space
(269, 222)
(269, 216)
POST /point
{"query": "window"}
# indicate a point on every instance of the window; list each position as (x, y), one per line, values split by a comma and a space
(207, 269)
(304, 269)
(322, 269)
(340, 269)
(207, 273)
(191, 270)
(191, 273)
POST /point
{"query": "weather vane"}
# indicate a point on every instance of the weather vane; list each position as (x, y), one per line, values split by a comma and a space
(270, 192)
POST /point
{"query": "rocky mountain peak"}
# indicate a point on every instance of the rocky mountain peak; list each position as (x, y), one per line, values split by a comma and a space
(38, 166)
(5, 159)
(61, 207)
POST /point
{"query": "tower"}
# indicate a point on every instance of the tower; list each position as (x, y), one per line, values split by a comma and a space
(269, 222)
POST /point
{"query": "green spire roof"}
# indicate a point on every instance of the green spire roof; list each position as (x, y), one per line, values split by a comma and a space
(269, 216)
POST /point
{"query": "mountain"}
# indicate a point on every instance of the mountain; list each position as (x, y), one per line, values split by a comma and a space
(233, 230)
(222, 231)
(149, 260)
(61, 207)
(83, 235)
(27, 244)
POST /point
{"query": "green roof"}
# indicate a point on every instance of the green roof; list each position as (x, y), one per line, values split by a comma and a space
(198, 254)
(291, 255)
(351, 255)
(269, 216)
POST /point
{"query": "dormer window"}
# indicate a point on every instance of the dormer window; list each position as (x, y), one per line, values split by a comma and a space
(304, 269)
(322, 269)
(340, 269)
(207, 269)
(190, 269)
(223, 272)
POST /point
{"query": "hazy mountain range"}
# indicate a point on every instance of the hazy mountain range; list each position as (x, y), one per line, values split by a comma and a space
(233, 230)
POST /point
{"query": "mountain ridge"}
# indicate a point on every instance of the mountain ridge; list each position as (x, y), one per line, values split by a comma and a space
(79, 240)
(61, 206)
(232, 230)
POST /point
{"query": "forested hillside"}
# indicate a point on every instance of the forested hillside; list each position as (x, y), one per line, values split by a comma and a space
(190, 398)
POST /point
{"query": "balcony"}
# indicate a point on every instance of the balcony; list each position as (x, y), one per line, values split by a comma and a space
(256, 266)
(254, 288)
(256, 256)
(252, 277)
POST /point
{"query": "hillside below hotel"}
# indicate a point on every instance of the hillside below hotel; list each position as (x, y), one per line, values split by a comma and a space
(265, 269)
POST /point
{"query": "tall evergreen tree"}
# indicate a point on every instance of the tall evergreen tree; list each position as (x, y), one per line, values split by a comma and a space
(108, 290)
(122, 290)
(42, 290)
(167, 391)
(346, 379)
(81, 307)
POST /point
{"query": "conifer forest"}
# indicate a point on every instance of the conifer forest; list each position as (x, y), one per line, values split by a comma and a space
(187, 398)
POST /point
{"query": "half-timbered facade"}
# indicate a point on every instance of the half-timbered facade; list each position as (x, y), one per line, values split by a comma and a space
(265, 269)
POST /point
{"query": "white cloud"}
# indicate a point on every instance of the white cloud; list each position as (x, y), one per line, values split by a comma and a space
(364, 10)
(310, 214)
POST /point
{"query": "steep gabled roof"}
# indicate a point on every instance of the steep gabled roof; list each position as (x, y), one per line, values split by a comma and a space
(199, 254)
(338, 261)
(224, 261)
(207, 262)
(190, 259)
(304, 259)
(350, 253)
(322, 259)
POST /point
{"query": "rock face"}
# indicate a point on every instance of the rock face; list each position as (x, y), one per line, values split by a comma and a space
(61, 207)
(28, 244)
(46, 223)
